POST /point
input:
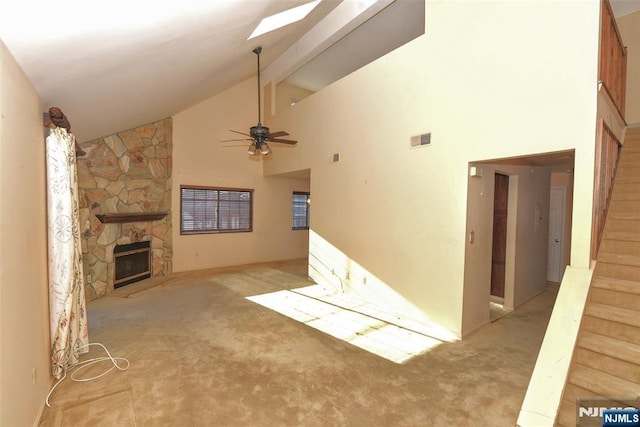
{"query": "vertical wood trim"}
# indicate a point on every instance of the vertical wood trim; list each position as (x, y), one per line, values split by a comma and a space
(606, 162)
(613, 59)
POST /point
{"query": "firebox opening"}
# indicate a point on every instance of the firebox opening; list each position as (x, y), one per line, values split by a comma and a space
(133, 263)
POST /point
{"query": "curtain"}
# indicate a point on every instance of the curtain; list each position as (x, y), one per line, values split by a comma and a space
(67, 306)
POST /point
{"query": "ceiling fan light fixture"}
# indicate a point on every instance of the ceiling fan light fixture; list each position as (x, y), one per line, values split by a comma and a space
(265, 149)
(252, 150)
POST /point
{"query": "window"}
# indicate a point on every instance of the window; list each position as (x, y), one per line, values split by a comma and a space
(215, 210)
(300, 211)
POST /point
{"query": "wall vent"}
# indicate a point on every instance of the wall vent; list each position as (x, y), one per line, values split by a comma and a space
(419, 140)
(336, 157)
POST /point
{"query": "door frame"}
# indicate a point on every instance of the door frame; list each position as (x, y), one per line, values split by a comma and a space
(510, 260)
(563, 218)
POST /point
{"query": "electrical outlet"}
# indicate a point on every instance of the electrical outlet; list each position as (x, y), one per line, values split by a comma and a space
(89, 278)
(364, 280)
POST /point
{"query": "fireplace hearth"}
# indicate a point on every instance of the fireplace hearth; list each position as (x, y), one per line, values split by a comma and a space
(132, 263)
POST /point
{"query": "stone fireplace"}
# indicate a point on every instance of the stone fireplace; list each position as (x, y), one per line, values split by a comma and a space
(124, 184)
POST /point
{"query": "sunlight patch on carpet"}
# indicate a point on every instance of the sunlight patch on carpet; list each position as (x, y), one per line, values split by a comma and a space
(350, 319)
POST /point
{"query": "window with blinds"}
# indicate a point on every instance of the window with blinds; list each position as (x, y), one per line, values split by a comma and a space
(215, 210)
(300, 211)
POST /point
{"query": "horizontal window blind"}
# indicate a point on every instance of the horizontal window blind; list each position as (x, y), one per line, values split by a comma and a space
(300, 211)
(215, 210)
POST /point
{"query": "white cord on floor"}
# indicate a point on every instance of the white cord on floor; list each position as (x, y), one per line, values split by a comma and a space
(76, 367)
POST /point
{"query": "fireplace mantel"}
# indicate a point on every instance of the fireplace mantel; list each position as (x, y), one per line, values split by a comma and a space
(109, 218)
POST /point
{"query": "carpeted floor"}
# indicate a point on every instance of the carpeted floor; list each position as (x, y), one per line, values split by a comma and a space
(203, 355)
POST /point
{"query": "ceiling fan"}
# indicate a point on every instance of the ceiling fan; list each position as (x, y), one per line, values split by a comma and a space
(259, 135)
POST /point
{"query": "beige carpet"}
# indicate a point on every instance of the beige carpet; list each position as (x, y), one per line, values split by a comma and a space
(203, 355)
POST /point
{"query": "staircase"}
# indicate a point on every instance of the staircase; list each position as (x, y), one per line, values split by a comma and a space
(606, 359)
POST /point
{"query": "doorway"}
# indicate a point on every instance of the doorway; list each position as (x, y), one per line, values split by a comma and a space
(555, 253)
(499, 244)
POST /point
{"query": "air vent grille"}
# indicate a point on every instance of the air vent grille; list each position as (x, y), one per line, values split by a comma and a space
(420, 140)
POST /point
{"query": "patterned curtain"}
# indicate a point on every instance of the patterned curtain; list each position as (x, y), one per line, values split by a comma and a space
(67, 307)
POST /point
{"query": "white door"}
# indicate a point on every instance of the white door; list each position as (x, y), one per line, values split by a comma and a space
(555, 262)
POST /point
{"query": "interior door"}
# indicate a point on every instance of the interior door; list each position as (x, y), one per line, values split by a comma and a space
(555, 262)
(499, 247)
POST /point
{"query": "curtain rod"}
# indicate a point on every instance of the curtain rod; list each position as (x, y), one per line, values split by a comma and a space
(56, 118)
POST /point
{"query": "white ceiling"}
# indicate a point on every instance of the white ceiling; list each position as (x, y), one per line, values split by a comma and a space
(114, 65)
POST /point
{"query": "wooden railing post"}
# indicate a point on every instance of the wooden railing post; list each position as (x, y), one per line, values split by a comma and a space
(607, 154)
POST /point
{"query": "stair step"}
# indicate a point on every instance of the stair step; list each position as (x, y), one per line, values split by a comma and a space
(622, 236)
(627, 173)
(627, 286)
(610, 246)
(566, 414)
(626, 333)
(619, 258)
(567, 411)
(625, 191)
(615, 314)
(614, 225)
(611, 365)
(630, 157)
(616, 271)
(602, 383)
(615, 298)
(625, 209)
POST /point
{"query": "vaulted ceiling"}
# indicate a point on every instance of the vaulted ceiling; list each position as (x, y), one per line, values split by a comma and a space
(115, 65)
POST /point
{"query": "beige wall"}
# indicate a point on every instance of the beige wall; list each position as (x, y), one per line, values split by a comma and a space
(287, 93)
(24, 306)
(199, 158)
(488, 84)
(629, 26)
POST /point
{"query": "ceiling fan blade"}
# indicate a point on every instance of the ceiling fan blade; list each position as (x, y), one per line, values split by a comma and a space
(278, 134)
(283, 141)
(241, 133)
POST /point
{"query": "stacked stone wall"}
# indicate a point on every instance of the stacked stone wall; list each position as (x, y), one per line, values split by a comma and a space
(124, 173)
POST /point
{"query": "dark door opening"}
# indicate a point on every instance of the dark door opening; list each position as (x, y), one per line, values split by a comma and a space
(499, 247)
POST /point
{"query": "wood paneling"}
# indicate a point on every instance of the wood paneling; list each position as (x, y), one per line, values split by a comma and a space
(613, 59)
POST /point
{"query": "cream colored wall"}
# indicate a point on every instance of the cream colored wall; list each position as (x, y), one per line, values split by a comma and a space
(24, 303)
(287, 93)
(488, 84)
(629, 27)
(199, 158)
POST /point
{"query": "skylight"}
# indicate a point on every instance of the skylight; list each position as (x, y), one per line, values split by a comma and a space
(282, 19)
